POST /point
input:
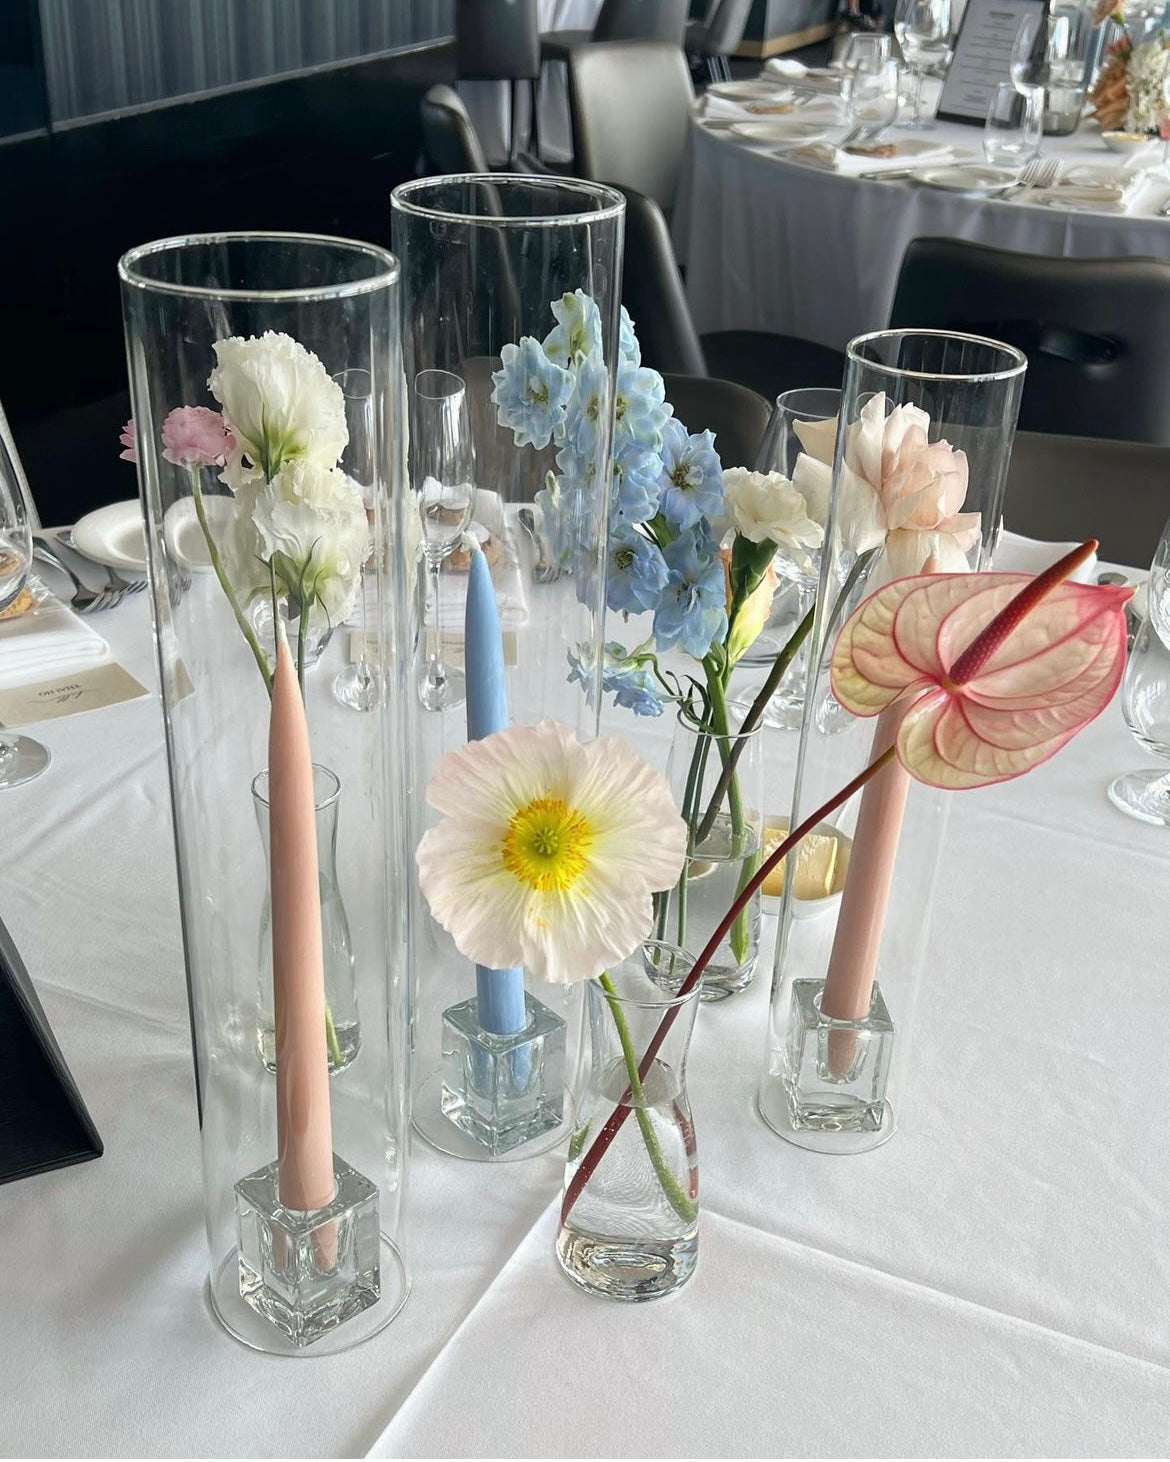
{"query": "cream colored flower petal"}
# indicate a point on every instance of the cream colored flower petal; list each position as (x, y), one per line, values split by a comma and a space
(490, 780)
(579, 933)
(818, 438)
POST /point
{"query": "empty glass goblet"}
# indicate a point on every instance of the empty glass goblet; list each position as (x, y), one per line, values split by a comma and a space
(442, 471)
(21, 758)
(1145, 699)
(923, 29)
(1013, 130)
(873, 95)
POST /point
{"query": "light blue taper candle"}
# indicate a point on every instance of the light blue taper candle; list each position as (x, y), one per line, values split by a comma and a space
(499, 993)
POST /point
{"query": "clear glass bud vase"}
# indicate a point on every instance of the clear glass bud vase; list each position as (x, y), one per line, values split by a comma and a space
(630, 1212)
(716, 779)
(917, 472)
(343, 1031)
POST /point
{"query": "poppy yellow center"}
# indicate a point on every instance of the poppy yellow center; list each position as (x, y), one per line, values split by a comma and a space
(547, 845)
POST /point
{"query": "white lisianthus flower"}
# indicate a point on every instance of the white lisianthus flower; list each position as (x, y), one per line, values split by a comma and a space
(764, 507)
(238, 541)
(549, 850)
(312, 528)
(280, 404)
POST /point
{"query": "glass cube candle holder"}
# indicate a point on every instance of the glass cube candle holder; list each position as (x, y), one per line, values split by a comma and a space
(503, 1090)
(308, 1272)
(837, 1070)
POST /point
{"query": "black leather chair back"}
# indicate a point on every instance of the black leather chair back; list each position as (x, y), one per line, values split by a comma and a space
(641, 20)
(652, 291)
(497, 40)
(1094, 330)
(630, 102)
(450, 140)
(737, 415)
(1073, 488)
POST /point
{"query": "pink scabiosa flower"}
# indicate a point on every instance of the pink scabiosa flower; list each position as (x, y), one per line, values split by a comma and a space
(193, 436)
(549, 850)
(126, 439)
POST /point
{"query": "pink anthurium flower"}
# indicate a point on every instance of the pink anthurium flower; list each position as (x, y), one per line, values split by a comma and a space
(996, 672)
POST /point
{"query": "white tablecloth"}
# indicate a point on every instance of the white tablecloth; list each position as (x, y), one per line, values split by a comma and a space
(991, 1282)
(488, 101)
(772, 245)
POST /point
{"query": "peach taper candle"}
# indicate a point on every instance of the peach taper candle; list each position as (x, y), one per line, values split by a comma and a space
(303, 1123)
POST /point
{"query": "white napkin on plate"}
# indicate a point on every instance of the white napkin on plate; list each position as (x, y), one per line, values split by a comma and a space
(506, 574)
(793, 71)
(1015, 554)
(749, 108)
(46, 641)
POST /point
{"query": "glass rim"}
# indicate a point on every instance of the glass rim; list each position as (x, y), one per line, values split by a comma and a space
(613, 204)
(458, 388)
(330, 791)
(781, 401)
(1017, 357)
(684, 719)
(667, 1001)
(129, 272)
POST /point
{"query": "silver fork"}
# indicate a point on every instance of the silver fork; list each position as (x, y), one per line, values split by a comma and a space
(127, 586)
(1041, 172)
(544, 570)
(85, 600)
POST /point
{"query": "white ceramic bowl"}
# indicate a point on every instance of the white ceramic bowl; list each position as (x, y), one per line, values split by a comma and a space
(811, 908)
(1126, 142)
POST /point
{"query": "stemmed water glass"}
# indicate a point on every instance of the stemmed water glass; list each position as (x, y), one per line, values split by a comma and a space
(21, 758)
(923, 29)
(443, 472)
(356, 686)
(1024, 67)
(1145, 699)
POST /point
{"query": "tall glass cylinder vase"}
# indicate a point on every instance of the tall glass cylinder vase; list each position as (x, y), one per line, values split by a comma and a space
(918, 473)
(511, 293)
(253, 497)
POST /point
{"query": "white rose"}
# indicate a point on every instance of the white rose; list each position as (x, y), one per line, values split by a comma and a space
(765, 507)
(280, 403)
(312, 524)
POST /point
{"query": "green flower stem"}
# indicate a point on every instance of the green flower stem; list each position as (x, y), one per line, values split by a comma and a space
(740, 936)
(225, 584)
(331, 1037)
(617, 1117)
(683, 1204)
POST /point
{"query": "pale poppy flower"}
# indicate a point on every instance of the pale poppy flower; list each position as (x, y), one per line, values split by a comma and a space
(548, 850)
(996, 672)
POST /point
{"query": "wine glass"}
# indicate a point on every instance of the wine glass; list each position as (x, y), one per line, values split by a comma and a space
(1013, 130)
(923, 29)
(356, 686)
(861, 49)
(1145, 699)
(1022, 62)
(443, 472)
(778, 453)
(21, 758)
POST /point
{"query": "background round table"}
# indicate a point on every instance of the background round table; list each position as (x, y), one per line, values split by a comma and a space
(773, 244)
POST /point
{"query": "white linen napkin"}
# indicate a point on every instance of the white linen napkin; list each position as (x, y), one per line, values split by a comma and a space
(1091, 190)
(46, 641)
(506, 573)
(1015, 554)
(808, 80)
(754, 108)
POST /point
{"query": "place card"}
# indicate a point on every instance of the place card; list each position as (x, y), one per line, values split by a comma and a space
(982, 56)
(68, 695)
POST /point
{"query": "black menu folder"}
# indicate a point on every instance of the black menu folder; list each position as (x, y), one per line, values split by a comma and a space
(43, 1120)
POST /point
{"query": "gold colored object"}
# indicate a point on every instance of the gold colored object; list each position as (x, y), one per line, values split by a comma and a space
(821, 863)
(23, 602)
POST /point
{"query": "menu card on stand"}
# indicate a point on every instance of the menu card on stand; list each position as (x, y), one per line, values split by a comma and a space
(982, 58)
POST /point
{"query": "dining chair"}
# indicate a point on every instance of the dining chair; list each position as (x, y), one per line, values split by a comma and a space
(622, 20)
(450, 141)
(499, 40)
(718, 36)
(1094, 330)
(738, 417)
(629, 104)
(652, 291)
(1070, 487)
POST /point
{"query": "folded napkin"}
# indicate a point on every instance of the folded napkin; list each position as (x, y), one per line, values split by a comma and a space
(1015, 554)
(506, 575)
(48, 640)
(1091, 190)
(808, 80)
(835, 159)
(749, 108)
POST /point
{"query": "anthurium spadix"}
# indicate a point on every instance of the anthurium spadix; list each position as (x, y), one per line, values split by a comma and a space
(995, 672)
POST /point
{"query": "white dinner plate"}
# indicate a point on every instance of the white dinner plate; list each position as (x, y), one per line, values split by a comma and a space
(789, 131)
(750, 91)
(967, 178)
(114, 536)
(184, 538)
